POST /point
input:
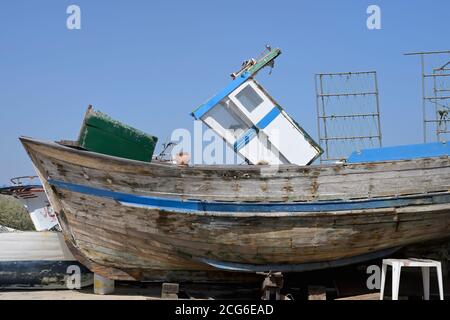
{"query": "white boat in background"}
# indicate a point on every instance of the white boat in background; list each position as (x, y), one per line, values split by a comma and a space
(6, 229)
(39, 260)
(35, 201)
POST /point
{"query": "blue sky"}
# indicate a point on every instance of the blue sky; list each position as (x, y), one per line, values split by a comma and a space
(150, 63)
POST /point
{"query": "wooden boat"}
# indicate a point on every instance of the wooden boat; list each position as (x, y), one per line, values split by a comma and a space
(37, 260)
(133, 220)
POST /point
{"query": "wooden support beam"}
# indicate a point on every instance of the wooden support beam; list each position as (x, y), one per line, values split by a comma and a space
(103, 285)
(271, 287)
(170, 290)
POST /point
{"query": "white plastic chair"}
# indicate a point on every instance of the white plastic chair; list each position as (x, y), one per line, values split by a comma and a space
(424, 264)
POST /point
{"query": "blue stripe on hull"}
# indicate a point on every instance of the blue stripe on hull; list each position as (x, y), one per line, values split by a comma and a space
(194, 206)
(244, 267)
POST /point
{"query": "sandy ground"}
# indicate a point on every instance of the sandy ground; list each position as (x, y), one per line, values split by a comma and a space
(149, 292)
(126, 291)
(118, 295)
(84, 294)
(371, 296)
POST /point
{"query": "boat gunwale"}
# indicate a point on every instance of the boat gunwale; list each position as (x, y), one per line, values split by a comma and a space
(213, 167)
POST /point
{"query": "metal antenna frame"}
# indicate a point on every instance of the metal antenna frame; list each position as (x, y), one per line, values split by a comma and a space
(323, 117)
(437, 97)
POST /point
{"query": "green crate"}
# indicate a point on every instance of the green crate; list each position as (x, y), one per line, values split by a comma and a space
(100, 133)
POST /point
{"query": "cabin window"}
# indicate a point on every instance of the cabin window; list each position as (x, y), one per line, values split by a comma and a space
(249, 98)
(225, 118)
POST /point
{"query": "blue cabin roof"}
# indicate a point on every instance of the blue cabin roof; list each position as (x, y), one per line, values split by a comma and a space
(413, 151)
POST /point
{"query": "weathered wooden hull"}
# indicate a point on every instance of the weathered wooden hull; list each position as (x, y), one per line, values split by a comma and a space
(132, 220)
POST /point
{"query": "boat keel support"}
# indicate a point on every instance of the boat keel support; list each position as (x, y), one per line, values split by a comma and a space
(170, 291)
(103, 285)
(271, 286)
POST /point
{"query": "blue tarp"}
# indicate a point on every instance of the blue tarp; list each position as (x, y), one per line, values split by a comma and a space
(413, 151)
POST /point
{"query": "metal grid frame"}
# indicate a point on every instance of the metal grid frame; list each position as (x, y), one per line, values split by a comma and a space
(440, 96)
(323, 117)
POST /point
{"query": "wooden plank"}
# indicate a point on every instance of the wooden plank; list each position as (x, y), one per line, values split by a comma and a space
(170, 290)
